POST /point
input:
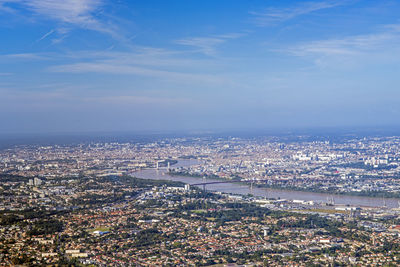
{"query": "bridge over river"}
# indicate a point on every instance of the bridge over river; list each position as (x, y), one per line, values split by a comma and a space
(245, 187)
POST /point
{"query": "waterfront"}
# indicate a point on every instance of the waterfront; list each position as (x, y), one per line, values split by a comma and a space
(236, 188)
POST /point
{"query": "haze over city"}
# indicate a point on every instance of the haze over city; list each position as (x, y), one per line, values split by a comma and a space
(99, 65)
(199, 133)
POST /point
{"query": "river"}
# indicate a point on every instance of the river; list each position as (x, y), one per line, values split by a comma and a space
(243, 189)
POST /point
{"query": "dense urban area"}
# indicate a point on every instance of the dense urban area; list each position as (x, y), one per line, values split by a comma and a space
(82, 204)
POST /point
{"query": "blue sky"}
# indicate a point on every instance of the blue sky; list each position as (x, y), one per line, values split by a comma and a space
(102, 65)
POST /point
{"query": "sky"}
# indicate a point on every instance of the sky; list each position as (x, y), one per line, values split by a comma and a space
(191, 65)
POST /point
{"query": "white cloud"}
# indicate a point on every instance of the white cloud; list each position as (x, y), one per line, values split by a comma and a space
(25, 56)
(207, 45)
(167, 65)
(77, 12)
(44, 36)
(351, 52)
(351, 45)
(273, 15)
(172, 66)
(71, 13)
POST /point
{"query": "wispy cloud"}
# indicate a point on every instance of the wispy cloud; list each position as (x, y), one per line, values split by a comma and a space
(136, 100)
(5, 8)
(44, 36)
(208, 45)
(351, 45)
(126, 69)
(171, 66)
(167, 65)
(25, 56)
(81, 13)
(71, 13)
(274, 15)
(351, 51)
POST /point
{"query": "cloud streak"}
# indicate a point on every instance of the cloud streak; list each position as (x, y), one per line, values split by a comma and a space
(24, 56)
(127, 69)
(351, 45)
(82, 14)
(208, 45)
(272, 15)
(165, 65)
(79, 12)
(45, 36)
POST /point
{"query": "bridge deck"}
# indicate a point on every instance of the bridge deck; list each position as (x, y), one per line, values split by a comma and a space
(222, 182)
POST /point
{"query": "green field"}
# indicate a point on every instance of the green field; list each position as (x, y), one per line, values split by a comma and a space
(100, 228)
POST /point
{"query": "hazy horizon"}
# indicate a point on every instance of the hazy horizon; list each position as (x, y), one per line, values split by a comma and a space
(185, 66)
(8, 140)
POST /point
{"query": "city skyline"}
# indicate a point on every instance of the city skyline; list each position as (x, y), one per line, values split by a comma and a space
(97, 65)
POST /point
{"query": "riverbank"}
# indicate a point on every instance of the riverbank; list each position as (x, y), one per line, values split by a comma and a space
(185, 174)
(374, 194)
(232, 187)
